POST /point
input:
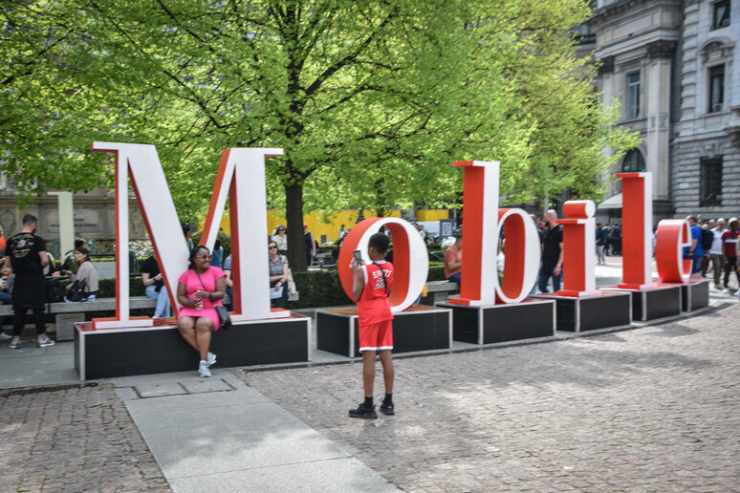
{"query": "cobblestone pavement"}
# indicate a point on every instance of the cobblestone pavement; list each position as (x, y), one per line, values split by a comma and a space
(78, 439)
(652, 409)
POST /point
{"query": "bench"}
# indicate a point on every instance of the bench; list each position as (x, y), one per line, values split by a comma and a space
(439, 291)
(67, 314)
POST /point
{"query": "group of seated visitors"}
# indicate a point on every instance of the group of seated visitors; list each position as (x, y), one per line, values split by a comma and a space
(201, 289)
(82, 284)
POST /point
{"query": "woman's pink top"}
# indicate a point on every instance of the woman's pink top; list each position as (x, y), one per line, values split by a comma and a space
(205, 281)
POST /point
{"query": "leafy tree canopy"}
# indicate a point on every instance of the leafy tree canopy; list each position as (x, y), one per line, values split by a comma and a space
(370, 100)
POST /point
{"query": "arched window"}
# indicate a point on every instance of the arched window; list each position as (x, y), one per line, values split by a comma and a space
(633, 161)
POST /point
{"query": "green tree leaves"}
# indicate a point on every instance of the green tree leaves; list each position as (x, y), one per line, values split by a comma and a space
(371, 100)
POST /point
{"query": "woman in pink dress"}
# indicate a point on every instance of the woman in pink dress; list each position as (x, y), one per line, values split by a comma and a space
(199, 291)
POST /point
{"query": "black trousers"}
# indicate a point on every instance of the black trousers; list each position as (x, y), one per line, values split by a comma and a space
(19, 310)
(730, 266)
(29, 292)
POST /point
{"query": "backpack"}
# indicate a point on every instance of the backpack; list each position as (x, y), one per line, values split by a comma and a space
(55, 289)
(77, 291)
(707, 238)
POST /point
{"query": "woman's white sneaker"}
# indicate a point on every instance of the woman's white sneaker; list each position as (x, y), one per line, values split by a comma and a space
(44, 341)
(211, 359)
(203, 369)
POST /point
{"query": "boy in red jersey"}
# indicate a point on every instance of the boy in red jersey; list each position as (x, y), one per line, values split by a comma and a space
(371, 285)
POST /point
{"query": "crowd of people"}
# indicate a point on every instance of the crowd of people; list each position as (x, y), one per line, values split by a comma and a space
(714, 248)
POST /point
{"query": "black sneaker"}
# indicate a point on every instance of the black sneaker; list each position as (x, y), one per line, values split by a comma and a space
(387, 408)
(363, 412)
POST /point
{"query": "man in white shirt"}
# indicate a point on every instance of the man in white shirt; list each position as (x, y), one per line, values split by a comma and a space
(715, 253)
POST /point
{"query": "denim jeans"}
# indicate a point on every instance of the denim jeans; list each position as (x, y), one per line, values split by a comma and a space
(162, 309)
(5, 298)
(696, 264)
(546, 272)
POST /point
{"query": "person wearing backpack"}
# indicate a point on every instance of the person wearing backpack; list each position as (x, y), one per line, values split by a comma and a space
(371, 286)
(707, 238)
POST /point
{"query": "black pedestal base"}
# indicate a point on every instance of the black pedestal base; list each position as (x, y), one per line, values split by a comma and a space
(695, 295)
(111, 353)
(500, 323)
(420, 328)
(600, 310)
(657, 301)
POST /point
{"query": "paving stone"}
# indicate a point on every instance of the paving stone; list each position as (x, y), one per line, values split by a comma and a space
(651, 409)
(75, 439)
(206, 385)
(160, 389)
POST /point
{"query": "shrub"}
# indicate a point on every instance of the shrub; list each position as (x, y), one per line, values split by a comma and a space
(107, 287)
(316, 288)
(319, 288)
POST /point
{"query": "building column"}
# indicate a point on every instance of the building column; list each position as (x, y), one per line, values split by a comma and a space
(608, 93)
(66, 221)
(657, 111)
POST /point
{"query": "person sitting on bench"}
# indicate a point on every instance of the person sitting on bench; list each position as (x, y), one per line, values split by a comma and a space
(85, 284)
(200, 290)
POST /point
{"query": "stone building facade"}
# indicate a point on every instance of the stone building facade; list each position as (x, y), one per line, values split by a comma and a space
(94, 217)
(672, 68)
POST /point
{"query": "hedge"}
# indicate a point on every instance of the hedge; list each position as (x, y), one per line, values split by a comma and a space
(316, 288)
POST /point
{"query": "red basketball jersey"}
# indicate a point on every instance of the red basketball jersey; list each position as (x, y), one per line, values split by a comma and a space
(374, 306)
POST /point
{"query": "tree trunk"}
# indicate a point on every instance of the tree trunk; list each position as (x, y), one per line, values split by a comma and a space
(294, 215)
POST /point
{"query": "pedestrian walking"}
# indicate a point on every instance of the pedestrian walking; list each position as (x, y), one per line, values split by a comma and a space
(716, 256)
(707, 238)
(695, 251)
(615, 239)
(601, 240)
(552, 253)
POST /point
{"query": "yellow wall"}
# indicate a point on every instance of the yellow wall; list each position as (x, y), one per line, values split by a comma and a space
(432, 215)
(318, 226)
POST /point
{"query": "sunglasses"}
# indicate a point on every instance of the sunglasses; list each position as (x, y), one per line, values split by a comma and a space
(273, 246)
(207, 257)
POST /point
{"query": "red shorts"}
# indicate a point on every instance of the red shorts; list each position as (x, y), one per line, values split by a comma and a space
(376, 337)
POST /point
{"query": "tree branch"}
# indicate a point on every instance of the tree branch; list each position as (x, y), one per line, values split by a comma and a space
(350, 57)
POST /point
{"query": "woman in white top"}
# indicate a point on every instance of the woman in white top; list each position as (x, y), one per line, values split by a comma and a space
(281, 239)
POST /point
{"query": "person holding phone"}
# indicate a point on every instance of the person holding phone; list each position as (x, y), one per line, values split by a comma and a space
(371, 287)
(200, 290)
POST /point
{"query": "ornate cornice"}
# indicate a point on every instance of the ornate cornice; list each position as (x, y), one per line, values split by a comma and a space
(661, 49)
(609, 12)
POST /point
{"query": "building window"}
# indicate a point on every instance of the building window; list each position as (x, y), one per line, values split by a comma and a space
(721, 14)
(716, 88)
(710, 192)
(633, 95)
(633, 161)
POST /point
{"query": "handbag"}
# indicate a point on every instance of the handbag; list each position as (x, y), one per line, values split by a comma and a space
(223, 314)
(224, 317)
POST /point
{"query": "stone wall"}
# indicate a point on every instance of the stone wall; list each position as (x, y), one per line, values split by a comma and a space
(94, 218)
